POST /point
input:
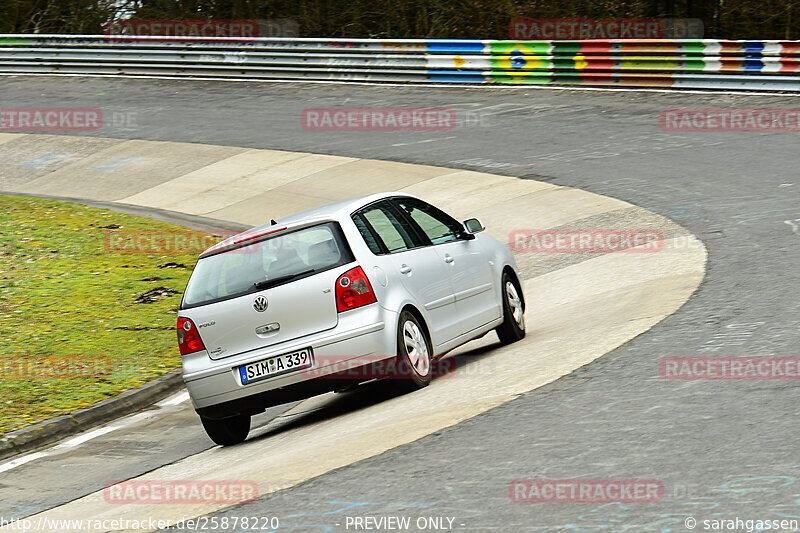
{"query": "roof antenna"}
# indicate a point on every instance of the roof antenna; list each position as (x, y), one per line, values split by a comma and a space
(272, 222)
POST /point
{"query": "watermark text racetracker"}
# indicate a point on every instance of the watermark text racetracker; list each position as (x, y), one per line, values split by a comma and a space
(198, 30)
(182, 28)
(730, 119)
(180, 492)
(62, 119)
(562, 29)
(51, 118)
(561, 241)
(368, 367)
(730, 368)
(586, 491)
(160, 242)
(55, 367)
(378, 119)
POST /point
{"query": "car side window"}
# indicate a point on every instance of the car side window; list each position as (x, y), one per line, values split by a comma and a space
(369, 238)
(387, 225)
(437, 225)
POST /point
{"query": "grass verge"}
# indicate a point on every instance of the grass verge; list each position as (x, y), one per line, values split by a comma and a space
(71, 332)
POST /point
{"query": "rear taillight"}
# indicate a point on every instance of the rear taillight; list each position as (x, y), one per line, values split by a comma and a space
(188, 338)
(353, 290)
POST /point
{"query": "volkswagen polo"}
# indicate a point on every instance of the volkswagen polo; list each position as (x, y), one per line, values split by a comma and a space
(268, 314)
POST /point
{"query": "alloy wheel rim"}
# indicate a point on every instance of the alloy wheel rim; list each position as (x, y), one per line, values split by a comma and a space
(515, 303)
(416, 348)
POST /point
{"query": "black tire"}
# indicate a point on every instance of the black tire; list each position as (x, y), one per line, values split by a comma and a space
(410, 376)
(227, 431)
(513, 327)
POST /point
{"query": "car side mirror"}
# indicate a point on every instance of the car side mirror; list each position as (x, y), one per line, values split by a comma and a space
(473, 226)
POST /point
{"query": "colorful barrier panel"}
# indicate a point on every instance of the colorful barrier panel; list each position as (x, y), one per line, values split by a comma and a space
(678, 63)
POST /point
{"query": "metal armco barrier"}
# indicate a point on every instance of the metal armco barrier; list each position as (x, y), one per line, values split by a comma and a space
(684, 63)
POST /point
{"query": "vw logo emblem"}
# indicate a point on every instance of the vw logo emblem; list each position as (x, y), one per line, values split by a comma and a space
(260, 304)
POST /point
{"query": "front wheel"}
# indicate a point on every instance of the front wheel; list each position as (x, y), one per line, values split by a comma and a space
(227, 431)
(513, 327)
(413, 353)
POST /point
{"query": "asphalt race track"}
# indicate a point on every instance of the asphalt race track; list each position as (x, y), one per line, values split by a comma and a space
(722, 449)
(586, 305)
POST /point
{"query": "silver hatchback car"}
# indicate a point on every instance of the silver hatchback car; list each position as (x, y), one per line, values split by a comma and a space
(384, 284)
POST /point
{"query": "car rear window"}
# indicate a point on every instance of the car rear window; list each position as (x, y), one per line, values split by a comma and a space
(300, 253)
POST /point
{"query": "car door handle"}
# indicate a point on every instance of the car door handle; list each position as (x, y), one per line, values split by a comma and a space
(405, 269)
(448, 258)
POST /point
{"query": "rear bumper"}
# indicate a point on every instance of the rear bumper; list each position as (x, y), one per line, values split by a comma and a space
(216, 388)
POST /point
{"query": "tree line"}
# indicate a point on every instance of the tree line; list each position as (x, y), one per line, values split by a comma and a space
(463, 19)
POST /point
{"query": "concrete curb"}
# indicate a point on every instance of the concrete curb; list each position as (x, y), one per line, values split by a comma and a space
(194, 222)
(39, 435)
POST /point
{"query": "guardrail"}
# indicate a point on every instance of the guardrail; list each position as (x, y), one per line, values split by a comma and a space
(684, 63)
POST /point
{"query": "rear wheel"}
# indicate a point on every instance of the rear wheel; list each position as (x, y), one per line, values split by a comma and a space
(513, 327)
(227, 431)
(413, 353)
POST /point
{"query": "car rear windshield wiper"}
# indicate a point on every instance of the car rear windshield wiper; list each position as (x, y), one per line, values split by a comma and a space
(267, 283)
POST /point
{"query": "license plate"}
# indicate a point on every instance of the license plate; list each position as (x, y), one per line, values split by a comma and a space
(280, 364)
